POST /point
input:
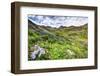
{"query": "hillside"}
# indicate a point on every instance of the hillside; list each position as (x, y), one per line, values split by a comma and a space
(59, 43)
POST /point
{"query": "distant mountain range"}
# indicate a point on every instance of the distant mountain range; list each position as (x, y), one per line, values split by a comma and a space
(34, 26)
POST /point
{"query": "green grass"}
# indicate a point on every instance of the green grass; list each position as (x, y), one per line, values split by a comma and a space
(60, 43)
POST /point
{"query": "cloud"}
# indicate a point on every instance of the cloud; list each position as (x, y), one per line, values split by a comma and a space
(57, 21)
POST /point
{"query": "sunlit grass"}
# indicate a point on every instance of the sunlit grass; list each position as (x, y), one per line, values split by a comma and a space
(64, 43)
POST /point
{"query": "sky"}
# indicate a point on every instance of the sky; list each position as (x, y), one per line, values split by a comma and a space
(57, 21)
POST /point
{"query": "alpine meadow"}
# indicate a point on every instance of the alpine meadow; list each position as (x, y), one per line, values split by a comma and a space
(57, 37)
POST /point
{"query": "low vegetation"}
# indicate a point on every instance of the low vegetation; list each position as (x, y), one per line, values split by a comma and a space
(59, 43)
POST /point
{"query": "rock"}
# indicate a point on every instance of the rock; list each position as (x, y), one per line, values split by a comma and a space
(38, 51)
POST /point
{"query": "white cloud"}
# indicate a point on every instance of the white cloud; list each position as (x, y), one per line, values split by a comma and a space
(57, 21)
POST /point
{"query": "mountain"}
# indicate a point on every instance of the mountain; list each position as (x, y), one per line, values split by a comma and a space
(58, 41)
(40, 29)
(48, 29)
